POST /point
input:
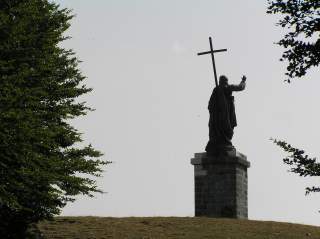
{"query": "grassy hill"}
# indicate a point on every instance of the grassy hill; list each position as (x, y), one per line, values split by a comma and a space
(173, 227)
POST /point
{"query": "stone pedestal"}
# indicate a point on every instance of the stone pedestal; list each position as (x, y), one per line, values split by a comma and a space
(221, 188)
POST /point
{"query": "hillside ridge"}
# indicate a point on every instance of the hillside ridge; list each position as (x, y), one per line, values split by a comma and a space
(172, 228)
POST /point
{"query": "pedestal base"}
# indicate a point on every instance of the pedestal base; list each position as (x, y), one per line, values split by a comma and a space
(221, 188)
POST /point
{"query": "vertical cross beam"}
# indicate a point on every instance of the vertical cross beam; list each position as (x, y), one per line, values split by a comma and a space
(212, 57)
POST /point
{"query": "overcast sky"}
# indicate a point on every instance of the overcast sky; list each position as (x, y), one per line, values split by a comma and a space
(151, 92)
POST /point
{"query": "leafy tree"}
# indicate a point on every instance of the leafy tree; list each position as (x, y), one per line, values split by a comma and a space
(302, 40)
(300, 163)
(41, 169)
(302, 18)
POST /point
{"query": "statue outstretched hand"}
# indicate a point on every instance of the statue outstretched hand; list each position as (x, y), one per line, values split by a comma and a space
(244, 78)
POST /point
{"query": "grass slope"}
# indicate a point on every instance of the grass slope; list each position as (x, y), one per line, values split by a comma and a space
(173, 227)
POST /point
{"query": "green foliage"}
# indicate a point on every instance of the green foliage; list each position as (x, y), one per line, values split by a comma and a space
(40, 167)
(301, 18)
(300, 163)
(302, 41)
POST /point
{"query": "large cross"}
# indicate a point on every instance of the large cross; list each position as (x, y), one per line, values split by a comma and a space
(212, 56)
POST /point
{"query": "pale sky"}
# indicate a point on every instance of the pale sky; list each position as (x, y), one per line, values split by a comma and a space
(151, 92)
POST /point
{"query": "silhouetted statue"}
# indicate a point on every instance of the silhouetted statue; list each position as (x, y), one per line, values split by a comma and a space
(222, 116)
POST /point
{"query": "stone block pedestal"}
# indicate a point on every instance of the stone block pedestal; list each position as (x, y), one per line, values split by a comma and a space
(221, 185)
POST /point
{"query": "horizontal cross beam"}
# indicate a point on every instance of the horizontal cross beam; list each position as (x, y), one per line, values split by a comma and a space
(208, 52)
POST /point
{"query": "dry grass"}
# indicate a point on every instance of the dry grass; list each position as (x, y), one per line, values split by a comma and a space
(173, 227)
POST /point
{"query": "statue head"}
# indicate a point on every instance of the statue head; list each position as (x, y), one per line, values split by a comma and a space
(223, 80)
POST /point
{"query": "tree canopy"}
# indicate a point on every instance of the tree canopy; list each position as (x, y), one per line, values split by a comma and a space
(301, 19)
(41, 168)
(302, 41)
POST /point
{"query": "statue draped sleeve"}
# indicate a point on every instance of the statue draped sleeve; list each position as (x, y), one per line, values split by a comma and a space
(220, 127)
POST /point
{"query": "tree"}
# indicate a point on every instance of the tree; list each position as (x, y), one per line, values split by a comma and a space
(300, 163)
(302, 40)
(41, 169)
(303, 43)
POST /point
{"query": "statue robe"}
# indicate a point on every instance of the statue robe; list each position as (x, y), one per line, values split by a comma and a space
(222, 117)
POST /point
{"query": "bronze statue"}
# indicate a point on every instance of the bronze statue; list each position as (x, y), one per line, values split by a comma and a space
(221, 108)
(222, 116)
